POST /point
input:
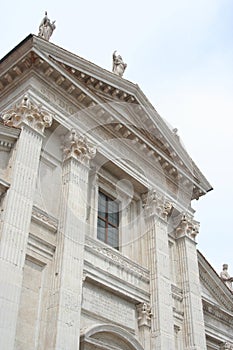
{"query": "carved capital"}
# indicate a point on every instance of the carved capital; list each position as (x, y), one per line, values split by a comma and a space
(144, 315)
(78, 147)
(30, 113)
(156, 205)
(187, 227)
(226, 346)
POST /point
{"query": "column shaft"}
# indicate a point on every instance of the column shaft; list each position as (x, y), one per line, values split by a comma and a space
(15, 230)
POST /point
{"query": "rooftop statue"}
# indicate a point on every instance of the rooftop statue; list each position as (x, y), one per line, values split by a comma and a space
(46, 28)
(118, 66)
(225, 277)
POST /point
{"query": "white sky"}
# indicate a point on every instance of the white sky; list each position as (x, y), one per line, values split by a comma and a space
(181, 55)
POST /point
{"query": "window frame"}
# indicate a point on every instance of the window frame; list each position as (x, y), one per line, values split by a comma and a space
(105, 219)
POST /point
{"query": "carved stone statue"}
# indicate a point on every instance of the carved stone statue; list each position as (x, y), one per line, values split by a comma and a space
(46, 28)
(118, 66)
(225, 277)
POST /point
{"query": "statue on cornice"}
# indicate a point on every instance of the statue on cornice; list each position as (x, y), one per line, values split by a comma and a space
(118, 66)
(46, 28)
(225, 277)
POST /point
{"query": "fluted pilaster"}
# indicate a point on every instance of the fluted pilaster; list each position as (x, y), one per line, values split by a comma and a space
(157, 210)
(194, 329)
(67, 284)
(32, 120)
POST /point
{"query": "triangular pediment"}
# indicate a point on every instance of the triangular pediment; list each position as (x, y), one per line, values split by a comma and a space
(213, 289)
(115, 101)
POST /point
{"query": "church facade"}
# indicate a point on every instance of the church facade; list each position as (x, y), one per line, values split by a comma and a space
(97, 232)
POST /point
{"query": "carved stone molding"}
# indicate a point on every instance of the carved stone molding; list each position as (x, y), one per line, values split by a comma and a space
(177, 293)
(156, 204)
(187, 227)
(144, 315)
(30, 113)
(116, 258)
(44, 219)
(226, 346)
(78, 147)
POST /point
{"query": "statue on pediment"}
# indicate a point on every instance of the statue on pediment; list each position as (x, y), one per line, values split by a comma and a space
(225, 277)
(46, 28)
(118, 66)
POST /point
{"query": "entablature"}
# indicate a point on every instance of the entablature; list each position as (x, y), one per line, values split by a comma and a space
(108, 267)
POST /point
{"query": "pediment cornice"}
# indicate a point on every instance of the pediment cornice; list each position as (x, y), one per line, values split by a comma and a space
(92, 86)
(216, 287)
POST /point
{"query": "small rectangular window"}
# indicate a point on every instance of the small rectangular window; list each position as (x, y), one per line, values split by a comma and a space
(108, 220)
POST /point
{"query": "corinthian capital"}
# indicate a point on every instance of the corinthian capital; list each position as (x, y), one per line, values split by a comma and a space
(187, 227)
(30, 113)
(156, 204)
(78, 147)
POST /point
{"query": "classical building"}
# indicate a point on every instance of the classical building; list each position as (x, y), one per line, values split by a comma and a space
(97, 231)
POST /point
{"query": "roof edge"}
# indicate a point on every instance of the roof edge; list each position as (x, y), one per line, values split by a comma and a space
(16, 47)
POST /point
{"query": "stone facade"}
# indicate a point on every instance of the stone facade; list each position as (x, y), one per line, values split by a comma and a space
(71, 131)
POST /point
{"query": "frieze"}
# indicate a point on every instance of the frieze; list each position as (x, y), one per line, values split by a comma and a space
(53, 98)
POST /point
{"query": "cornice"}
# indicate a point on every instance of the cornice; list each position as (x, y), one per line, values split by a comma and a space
(217, 312)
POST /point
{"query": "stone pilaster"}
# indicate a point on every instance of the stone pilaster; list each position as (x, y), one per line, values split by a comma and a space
(31, 119)
(162, 327)
(65, 309)
(194, 329)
